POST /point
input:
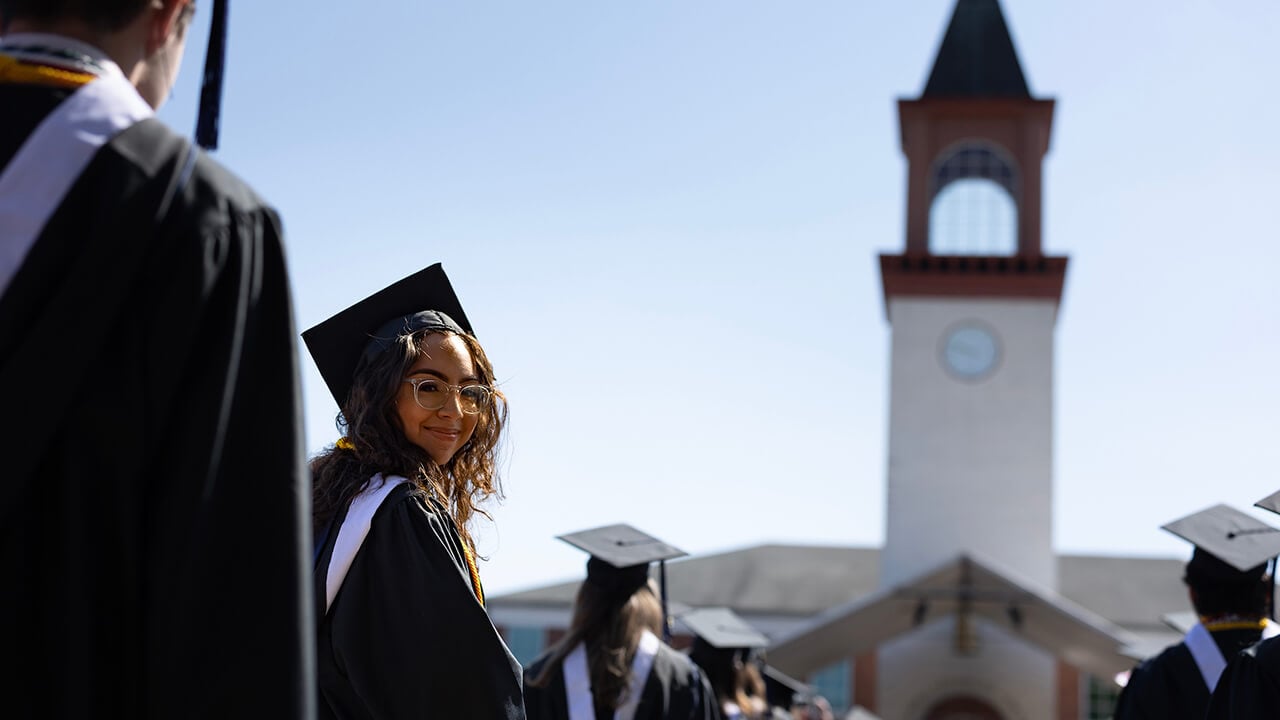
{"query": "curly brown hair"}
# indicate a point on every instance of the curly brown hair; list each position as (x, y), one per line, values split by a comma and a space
(371, 426)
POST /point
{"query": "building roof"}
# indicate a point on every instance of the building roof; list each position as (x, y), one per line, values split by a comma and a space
(804, 580)
(977, 58)
(1133, 592)
(798, 580)
(964, 587)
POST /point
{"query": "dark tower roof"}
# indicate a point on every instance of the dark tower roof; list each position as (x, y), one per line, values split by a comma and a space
(977, 58)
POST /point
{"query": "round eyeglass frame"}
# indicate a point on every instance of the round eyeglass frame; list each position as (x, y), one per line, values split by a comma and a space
(451, 389)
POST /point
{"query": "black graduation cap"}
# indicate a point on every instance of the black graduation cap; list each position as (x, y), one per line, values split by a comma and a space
(722, 628)
(1230, 545)
(782, 690)
(215, 59)
(620, 558)
(423, 300)
(1270, 502)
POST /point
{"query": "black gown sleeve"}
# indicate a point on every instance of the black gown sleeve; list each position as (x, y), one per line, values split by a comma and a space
(406, 636)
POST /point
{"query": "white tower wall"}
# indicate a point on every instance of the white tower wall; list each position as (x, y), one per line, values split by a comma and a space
(970, 461)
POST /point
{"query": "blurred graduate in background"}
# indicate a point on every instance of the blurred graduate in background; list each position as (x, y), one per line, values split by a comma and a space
(1229, 582)
(613, 664)
(728, 651)
(1249, 688)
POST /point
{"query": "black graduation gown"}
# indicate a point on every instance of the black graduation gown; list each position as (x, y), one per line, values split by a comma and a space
(1169, 686)
(406, 636)
(155, 507)
(675, 690)
(1249, 688)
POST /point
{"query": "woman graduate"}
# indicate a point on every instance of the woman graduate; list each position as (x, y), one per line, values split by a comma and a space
(403, 630)
(727, 649)
(612, 664)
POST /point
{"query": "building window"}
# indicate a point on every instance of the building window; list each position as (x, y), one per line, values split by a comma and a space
(974, 209)
(1102, 699)
(832, 683)
(525, 642)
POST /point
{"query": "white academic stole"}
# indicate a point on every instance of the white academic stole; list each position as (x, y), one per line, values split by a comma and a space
(355, 527)
(53, 157)
(1209, 659)
(577, 681)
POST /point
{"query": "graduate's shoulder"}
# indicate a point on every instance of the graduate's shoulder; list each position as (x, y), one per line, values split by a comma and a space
(1171, 658)
(409, 503)
(1154, 676)
(153, 150)
(534, 669)
(1266, 652)
(682, 668)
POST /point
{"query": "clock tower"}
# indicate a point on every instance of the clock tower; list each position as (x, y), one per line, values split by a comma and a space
(972, 302)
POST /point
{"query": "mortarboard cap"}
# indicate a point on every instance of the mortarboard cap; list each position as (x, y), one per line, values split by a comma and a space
(782, 690)
(1230, 545)
(424, 300)
(723, 629)
(620, 558)
(215, 60)
(1270, 502)
(620, 555)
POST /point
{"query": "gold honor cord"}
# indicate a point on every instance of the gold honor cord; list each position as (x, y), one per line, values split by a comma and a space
(19, 72)
(1235, 625)
(475, 572)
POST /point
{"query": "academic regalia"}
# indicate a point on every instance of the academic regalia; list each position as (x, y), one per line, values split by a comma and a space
(722, 642)
(675, 690)
(403, 631)
(154, 526)
(406, 636)
(1232, 551)
(1169, 686)
(1249, 688)
(673, 687)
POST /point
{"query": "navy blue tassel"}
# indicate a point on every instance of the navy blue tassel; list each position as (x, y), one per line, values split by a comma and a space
(211, 88)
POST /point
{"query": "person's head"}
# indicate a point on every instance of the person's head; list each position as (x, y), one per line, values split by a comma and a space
(1229, 573)
(728, 649)
(1218, 589)
(146, 38)
(417, 397)
(105, 16)
(732, 672)
(422, 404)
(428, 401)
(429, 397)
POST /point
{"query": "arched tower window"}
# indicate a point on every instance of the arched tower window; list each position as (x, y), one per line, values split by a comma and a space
(974, 202)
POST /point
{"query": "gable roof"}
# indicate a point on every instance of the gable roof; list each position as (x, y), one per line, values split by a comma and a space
(802, 581)
(977, 58)
(798, 580)
(964, 585)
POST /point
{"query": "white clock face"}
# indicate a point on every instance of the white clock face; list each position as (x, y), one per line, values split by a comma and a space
(970, 351)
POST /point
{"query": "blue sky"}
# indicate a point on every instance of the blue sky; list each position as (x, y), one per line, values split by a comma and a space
(663, 219)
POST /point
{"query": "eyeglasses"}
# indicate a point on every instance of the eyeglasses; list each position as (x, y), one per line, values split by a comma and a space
(432, 394)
